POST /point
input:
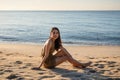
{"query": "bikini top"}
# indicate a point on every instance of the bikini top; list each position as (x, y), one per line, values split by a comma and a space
(52, 49)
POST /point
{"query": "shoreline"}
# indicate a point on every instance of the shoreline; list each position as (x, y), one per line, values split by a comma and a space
(64, 44)
(82, 50)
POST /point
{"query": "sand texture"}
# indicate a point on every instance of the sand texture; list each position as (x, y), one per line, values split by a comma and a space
(17, 61)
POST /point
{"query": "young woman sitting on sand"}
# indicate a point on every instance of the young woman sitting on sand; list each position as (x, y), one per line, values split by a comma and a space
(54, 43)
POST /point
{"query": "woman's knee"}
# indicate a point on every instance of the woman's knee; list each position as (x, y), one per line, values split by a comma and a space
(59, 53)
(65, 52)
(62, 49)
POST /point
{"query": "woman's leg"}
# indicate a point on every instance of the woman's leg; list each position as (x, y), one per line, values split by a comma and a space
(63, 55)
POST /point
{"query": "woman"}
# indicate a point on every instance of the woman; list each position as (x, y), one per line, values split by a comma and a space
(54, 43)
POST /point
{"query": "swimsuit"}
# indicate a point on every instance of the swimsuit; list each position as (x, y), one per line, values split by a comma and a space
(50, 61)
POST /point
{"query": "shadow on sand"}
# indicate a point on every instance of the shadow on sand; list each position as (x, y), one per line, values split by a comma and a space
(87, 74)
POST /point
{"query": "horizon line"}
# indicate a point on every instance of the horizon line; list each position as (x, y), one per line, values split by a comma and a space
(60, 10)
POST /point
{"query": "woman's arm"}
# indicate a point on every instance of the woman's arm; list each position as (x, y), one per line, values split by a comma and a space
(47, 47)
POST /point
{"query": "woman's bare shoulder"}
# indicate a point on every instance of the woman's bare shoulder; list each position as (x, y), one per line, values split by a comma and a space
(49, 41)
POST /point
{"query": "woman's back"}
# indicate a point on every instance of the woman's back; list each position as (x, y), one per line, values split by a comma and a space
(50, 61)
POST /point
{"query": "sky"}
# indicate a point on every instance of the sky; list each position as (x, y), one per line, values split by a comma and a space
(59, 4)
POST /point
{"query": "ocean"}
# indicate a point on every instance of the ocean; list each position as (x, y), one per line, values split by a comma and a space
(76, 27)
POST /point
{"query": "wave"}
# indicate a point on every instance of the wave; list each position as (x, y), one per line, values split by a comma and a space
(8, 38)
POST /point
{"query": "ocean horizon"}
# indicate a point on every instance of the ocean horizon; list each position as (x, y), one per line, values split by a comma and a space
(76, 27)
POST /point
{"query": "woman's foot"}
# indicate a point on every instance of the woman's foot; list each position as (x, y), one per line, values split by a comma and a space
(84, 65)
(77, 66)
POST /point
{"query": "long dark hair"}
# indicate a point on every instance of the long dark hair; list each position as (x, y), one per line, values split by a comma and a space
(58, 41)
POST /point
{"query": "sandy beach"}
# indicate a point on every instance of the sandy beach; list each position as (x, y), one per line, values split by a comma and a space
(17, 61)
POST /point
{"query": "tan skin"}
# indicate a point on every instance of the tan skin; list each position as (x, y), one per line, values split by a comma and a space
(62, 54)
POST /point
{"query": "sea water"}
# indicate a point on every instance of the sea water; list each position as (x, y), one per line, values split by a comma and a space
(76, 27)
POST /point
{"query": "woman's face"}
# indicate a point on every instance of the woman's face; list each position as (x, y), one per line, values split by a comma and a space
(54, 34)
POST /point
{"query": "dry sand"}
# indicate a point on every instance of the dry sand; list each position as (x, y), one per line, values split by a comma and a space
(16, 61)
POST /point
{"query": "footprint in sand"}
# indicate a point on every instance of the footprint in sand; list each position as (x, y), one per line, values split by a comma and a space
(1, 72)
(92, 71)
(8, 65)
(9, 54)
(111, 62)
(20, 78)
(44, 77)
(91, 57)
(1, 52)
(28, 64)
(101, 66)
(71, 75)
(100, 61)
(30, 56)
(36, 68)
(23, 67)
(1, 69)
(96, 64)
(18, 62)
(3, 59)
(12, 76)
(118, 69)
(41, 73)
(8, 70)
(111, 65)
